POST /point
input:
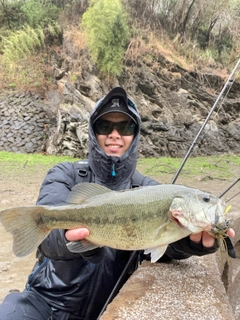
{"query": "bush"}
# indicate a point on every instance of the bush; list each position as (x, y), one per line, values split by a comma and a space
(22, 42)
(37, 13)
(17, 13)
(105, 24)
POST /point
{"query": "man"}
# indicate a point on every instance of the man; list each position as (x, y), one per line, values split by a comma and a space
(67, 285)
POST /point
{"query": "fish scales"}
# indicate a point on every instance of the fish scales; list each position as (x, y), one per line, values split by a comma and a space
(142, 218)
(110, 222)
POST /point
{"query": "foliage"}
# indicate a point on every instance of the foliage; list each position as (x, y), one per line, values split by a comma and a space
(26, 29)
(17, 13)
(207, 25)
(26, 41)
(10, 14)
(22, 42)
(200, 32)
(105, 24)
(18, 61)
(37, 13)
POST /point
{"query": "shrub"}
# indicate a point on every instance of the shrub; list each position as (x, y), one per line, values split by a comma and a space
(105, 24)
(21, 42)
(37, 13)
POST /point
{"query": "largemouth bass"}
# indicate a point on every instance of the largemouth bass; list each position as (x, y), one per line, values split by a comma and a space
(145, 218)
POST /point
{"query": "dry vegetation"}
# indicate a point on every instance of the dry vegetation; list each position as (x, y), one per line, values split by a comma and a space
(194, 35)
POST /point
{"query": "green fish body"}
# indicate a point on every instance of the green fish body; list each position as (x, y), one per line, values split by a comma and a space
(145, 218)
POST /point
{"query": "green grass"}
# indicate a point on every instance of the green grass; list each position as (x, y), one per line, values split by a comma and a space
(15, 163)
(33, 159)
(216, 166)
(219, 167)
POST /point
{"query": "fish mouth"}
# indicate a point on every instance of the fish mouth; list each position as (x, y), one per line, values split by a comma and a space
(221, 228)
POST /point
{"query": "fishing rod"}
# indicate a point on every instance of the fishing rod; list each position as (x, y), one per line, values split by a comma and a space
(229, 244)
(228, 241)
(233, 196)
(205, 122)
(225, 191)
(119, 283)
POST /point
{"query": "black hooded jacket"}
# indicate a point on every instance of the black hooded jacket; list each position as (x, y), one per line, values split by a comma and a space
(76, 283)
(79, 284)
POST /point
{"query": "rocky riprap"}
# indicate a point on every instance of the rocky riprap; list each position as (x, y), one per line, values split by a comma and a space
(24, 125)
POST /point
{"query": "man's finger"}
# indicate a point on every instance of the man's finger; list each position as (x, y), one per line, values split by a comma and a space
(196, 237)
(231, 233)
(76, 234)
(204, 237)
(207, 240)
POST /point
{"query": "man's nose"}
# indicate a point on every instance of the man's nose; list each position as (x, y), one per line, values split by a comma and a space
(114, 132)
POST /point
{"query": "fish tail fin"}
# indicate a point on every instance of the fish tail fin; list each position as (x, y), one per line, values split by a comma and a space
(24, 223)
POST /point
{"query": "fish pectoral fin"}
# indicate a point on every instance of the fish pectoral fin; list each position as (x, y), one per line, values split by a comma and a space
(160, 230)
(156, 252)
(81, 246)
(84, 191)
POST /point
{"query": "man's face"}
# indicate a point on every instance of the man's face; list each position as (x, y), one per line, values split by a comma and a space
(115, 144)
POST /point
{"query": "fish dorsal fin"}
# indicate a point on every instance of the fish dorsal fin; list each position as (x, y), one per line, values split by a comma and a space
(85, 190)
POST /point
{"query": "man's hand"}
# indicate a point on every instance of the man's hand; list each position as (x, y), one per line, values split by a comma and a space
(76, 234)
(206, 239)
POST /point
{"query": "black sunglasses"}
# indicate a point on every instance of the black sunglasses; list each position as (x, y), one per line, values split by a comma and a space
(124, 128)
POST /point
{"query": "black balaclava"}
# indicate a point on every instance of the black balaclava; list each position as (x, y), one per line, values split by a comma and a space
(111, 171)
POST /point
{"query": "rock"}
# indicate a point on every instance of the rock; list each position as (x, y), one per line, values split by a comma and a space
(173, 104)
(20, 124)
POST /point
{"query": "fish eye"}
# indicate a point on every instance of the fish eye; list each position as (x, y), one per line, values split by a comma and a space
(206, 198)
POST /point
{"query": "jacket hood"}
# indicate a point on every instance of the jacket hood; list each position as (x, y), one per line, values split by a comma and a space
(113, 172)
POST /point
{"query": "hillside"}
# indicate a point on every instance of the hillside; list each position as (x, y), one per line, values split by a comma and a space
(174, 83)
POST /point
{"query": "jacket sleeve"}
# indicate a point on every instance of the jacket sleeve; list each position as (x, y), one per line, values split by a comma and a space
(54, 191)
(184, 248)
(57, 185)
